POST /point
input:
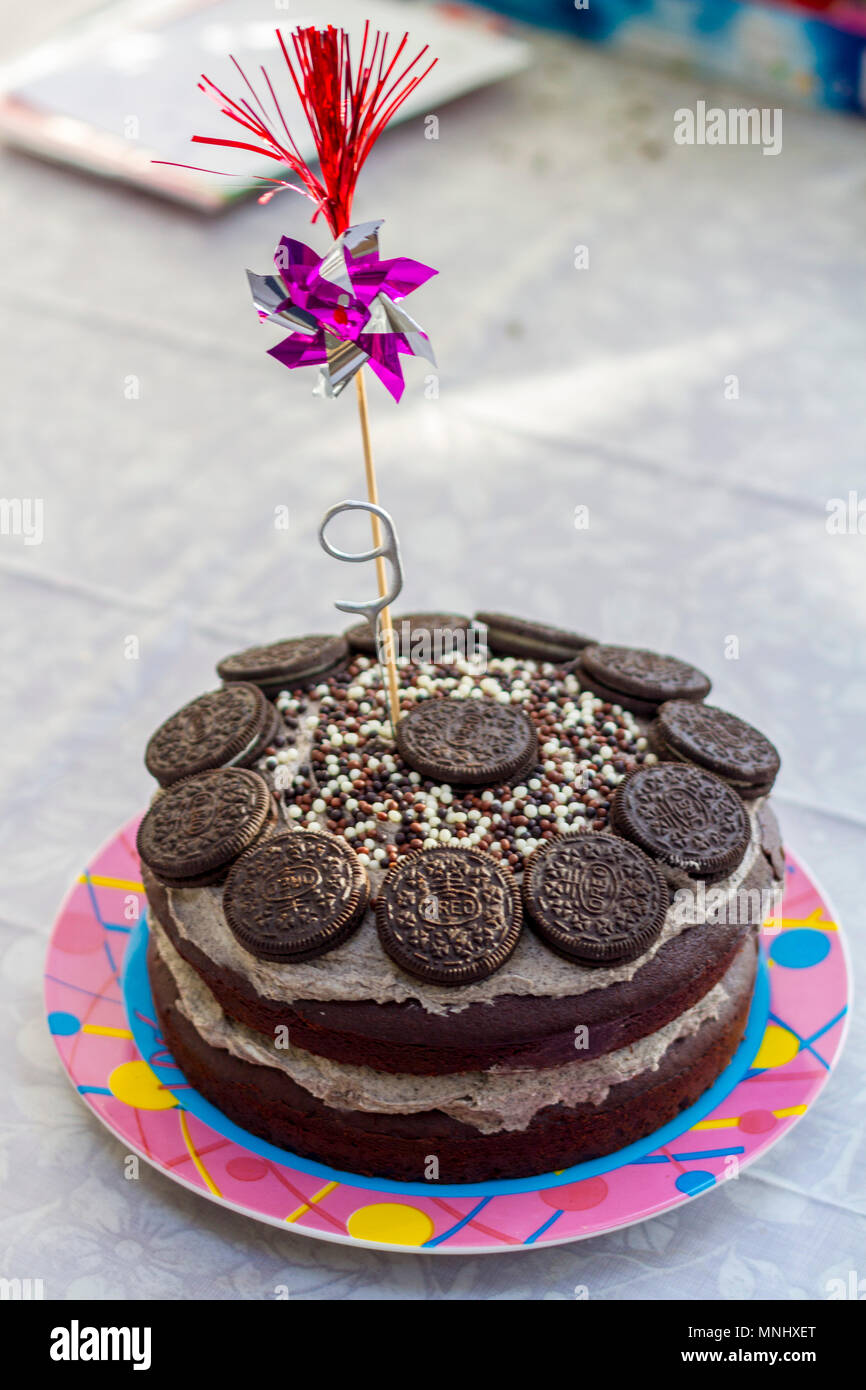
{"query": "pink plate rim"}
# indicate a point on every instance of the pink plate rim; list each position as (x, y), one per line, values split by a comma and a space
(810, 994)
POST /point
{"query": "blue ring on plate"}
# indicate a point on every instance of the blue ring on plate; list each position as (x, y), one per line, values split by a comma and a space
(138, 1001)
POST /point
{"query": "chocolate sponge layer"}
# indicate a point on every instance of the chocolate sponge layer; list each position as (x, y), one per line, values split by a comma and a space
(265, 1101)
(514, 1031)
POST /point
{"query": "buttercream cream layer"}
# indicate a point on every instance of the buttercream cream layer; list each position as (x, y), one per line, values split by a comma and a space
(618, 1006)
(490, 1101)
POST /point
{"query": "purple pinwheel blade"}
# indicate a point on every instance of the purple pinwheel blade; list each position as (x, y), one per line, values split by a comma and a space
(300, 351)
(294, 259)
(385, 362)
(396, 278)
(340, 308)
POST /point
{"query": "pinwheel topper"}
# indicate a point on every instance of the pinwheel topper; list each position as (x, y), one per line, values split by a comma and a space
(340, 308)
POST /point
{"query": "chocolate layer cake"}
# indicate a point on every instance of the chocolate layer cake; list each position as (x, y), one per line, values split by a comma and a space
(521, 934)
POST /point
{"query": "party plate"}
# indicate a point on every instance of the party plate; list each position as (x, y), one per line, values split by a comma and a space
(101, 1016)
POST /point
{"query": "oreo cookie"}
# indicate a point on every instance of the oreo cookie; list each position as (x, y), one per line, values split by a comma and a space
(470, 743)
(508, 636)
(427, 631)
(283, 665)
(732, 749)
(196, 828)
(224, 728)
(449, 916)
(295, 897)
(683, 816)
(595, 898)
(637, 679)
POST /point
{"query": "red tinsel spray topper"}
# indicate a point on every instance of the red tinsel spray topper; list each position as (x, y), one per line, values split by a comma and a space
(346, 109)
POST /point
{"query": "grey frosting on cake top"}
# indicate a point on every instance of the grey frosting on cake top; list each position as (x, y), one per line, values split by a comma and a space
(359, 969)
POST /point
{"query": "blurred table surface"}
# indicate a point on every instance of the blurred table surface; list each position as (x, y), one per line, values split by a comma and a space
(558, 388)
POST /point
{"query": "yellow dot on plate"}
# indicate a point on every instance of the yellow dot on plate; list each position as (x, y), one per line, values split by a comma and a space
(135, 1084)
(778, 1046)
(393, 1223)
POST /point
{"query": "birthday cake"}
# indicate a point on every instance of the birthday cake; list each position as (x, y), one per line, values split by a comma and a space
(515, 932)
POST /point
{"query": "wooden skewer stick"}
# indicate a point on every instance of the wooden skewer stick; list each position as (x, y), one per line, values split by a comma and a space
(386, 633)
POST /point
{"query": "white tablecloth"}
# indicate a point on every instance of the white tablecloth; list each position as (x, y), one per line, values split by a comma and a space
(558, 388)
